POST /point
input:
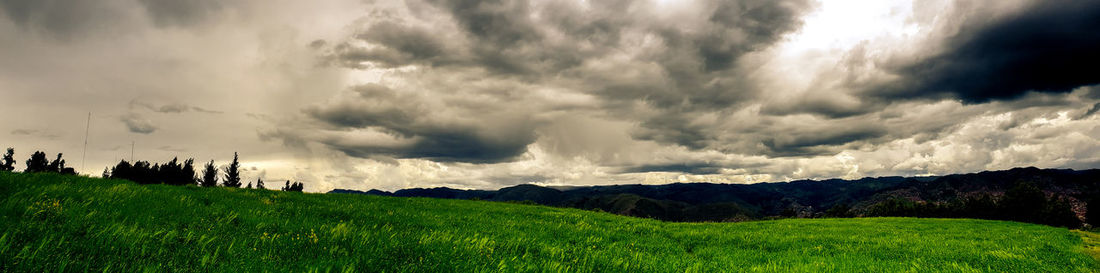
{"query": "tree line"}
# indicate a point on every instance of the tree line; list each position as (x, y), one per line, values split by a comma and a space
(172, 172)
(38, 163)
(1022, 203)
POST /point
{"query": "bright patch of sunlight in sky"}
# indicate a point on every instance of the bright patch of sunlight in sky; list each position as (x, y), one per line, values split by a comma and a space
(842, 24)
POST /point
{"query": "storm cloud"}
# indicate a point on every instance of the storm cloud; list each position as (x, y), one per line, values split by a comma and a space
(487, 94)
(1046, 47)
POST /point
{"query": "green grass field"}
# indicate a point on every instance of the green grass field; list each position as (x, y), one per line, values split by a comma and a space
(52, 223)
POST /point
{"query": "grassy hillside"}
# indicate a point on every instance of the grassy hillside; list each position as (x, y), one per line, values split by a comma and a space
(65, 223)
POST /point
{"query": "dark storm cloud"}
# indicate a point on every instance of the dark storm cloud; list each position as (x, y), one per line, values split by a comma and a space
(421, 131)
(1049, 47)
(443, 146)
(58, 18)
(65, 20)
(819, 141)
(693, 65)
(745, 26)
(138, 124)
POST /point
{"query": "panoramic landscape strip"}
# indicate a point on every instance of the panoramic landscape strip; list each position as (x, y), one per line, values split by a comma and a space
(54, 222)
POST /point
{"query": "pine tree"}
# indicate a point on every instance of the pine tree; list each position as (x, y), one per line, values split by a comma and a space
(259, 183)
(187, 174)
(296, 186)
(9, 161)
(209, 175)
(249, 185)
(232, 174)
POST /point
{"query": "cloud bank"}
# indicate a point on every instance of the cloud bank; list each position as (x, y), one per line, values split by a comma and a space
(486, 94)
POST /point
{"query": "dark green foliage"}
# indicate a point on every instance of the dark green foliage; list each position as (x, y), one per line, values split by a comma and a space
(209, 175)
(54, 223)
(842, 210)
(8, 162)
(1092, 211)
(37, 163)
(1025, 202)
(296, 186)
(171, 173)
(56, 165)
(233, 174)
(260, 183)
(788, 212)
(1022, 203)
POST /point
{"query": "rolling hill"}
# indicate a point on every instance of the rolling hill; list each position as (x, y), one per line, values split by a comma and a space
(803, 198)
(51, 223)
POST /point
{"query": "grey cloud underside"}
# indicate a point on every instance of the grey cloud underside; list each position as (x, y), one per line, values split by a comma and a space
(693, 65)
(138, 124)
(1050, 47)
(69, 20)
(58, 18)
(403, 116)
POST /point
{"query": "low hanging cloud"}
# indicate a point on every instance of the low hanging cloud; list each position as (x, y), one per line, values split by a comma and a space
(138, 124)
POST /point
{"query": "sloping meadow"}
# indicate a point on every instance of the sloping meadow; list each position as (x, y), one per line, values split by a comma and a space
(69, 223)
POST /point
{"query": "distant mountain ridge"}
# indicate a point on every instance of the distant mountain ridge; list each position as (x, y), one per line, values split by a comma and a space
(802, 198)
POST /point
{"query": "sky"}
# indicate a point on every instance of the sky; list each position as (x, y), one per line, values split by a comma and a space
(488, 94)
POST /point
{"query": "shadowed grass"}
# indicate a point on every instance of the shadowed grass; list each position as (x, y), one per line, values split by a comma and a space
(67, 223)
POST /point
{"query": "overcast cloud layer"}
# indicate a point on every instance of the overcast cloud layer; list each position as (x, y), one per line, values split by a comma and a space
(487, 94)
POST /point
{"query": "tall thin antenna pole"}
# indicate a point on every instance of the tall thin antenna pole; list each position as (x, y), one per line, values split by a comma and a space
(84, 156)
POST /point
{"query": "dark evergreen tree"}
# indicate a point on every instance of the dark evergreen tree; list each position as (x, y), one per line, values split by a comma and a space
(8, 163)
(37, 163)
(260, 183)
(296, 186)
(249, 185)
(209, 175)
(106, 172)
(232, 173)
(188, 172)
(121, 170)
